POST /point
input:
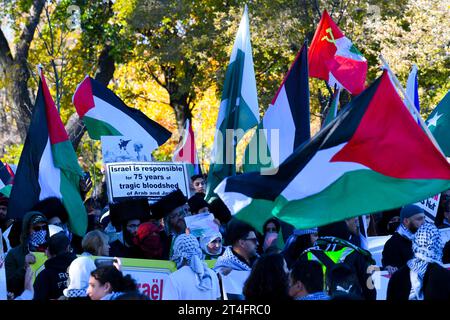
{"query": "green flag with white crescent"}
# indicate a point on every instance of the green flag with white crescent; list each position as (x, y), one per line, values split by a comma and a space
(439, 124)
(238, 110)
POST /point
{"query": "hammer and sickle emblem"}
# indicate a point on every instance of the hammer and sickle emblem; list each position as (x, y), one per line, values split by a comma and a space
(331, 39)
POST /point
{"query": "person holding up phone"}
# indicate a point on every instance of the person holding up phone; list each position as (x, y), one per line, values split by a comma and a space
(34, 238)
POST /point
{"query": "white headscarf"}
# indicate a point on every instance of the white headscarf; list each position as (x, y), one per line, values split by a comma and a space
(186, 248)
(207, 239)
(79, 272)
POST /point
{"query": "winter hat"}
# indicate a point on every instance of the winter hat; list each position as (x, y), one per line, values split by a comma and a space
(410, 210)
(166, 204)
(149, 240)
(4, 201)
(123, 211)
(196, 202)
(57, 243)
(52, 207)
(37, 218)
(79, 272)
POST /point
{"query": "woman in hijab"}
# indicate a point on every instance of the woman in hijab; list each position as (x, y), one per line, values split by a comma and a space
(211, 244)
(424, 277)
(193, 280)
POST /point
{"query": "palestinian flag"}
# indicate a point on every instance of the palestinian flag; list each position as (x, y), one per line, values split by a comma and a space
(6, 179)
(48, 165)
(439, 124)
(372, 157)
(238, 111)
(285, 125)
(186, 151)
(334, 58)
(105, 114)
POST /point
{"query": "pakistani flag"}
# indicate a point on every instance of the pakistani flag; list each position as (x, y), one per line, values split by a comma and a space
(105, 114)
(285, 125)
(48, 165)
(372, 157)
(439, 124)
(238, 108)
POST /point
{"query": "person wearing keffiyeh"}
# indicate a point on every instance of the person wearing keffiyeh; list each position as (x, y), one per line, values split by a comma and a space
(193, 280)
(424, 277)
(398, 249)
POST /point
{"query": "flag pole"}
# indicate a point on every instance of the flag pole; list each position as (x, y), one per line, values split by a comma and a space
(410, 105)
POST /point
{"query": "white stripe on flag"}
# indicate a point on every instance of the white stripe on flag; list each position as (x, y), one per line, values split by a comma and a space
(129, 128)
(233, 200)
(309, 181)
(279, 116)
(49, 175)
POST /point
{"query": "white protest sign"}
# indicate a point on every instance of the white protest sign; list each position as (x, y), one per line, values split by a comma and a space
(151, 180)
(3, 290)
(233, 283)
(121, 149)
(430, 206)
(201, 224)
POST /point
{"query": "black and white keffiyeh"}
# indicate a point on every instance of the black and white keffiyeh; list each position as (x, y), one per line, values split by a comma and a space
(427, 248)
(186, 248)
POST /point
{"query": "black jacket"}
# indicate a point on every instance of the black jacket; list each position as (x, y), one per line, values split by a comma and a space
(118, 249)
(436, 284)
(51, 281)
(15, 259)
(397, 251)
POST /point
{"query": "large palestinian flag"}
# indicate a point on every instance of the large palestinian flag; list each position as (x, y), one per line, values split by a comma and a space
(285, 125)
(334, 58)
(372, 157)
(48, 165)
(105, 114)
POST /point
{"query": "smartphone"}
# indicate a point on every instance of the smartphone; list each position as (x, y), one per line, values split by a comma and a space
(102, 262)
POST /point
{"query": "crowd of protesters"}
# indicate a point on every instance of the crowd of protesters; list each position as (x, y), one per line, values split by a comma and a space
(283, 263)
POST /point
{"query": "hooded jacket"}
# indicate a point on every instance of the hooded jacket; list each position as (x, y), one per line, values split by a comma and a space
(51, 281)
(15, 259)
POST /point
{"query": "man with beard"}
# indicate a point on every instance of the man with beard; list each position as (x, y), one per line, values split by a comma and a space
(398, 249)
(171, 209)
(128, 216)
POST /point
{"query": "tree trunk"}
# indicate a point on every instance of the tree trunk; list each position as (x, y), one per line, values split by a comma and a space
(182, 112)
(15, 69)
(105, 72)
